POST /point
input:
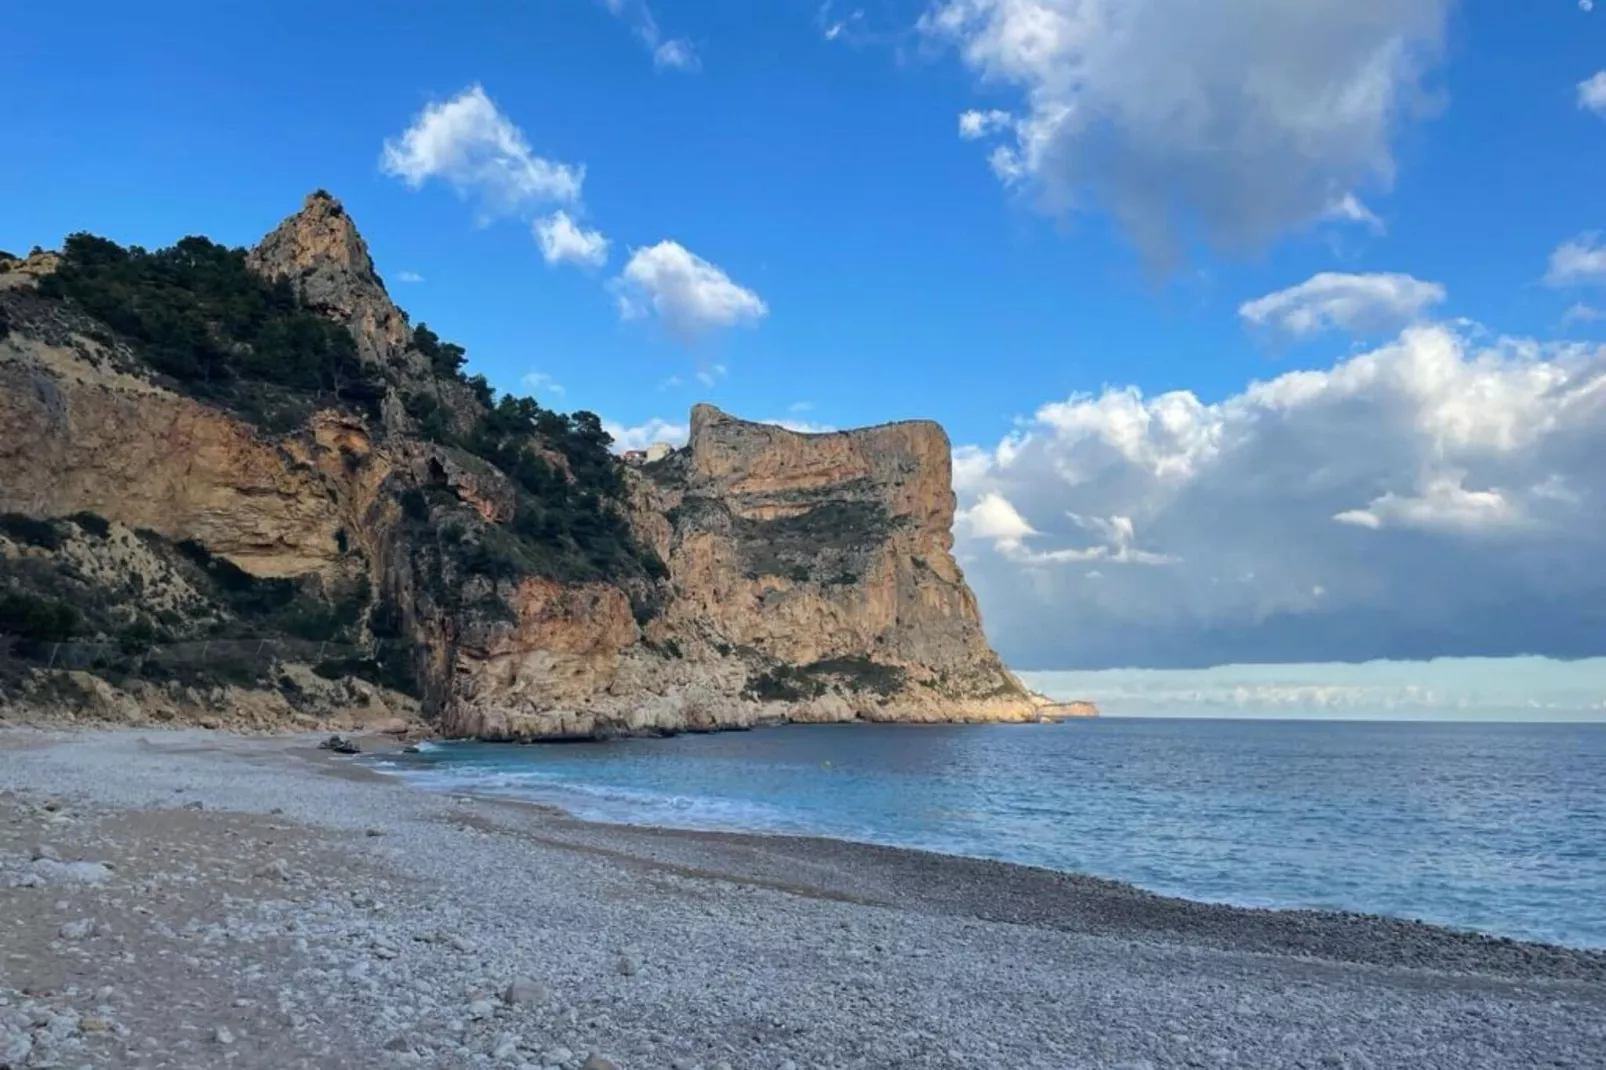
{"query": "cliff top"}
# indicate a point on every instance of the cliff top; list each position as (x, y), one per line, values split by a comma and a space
(705, 416)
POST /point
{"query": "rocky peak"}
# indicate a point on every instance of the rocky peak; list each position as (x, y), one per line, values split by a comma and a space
(320, 251)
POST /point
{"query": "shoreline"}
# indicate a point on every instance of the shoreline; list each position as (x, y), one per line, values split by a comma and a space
(569, 803)
(682, 948)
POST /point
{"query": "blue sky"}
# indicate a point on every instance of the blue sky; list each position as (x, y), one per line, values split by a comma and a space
(1022, 287)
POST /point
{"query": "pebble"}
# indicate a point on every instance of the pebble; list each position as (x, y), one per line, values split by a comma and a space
(751, 977)
(77, 930)
(278, 869)
(522, 990)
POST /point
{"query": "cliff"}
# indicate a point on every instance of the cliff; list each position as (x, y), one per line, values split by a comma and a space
(310, 477)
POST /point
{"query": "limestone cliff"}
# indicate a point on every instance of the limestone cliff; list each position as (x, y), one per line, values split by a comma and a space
(353, 501)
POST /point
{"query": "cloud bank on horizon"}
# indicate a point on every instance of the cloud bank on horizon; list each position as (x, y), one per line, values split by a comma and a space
(1436, 495)
(1523, 688)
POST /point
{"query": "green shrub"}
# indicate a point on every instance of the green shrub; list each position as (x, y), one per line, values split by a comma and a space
(860, 673)
(783, 683)
(45, 620)
(199, 315)
(93, 523)
(31, 531)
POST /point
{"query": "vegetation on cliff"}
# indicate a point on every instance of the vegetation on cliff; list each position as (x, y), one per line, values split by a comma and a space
(80, 592)
(197, 315)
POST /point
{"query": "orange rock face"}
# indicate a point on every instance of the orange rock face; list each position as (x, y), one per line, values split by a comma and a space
(809, 577)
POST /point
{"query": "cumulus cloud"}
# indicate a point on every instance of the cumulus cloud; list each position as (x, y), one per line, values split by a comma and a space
(668, 53)
(1577, 262)
(1592, 93)
(1238, 119)
(1438, 495)
(641, 436)
(468, 143)
(562, 240)
(409, 276)
(689, 295)
(1359, 304)
(978, 124)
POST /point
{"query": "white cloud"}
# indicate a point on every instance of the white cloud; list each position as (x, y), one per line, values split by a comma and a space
(563, 240)
(992, 517)
(676, 55)
(409, 276)
(643, 435)
(1443, 503)
(978, 124)
(1592, 92)
(1442, 493)
(1239, 119)
(1581, 313)
(668, 54)
(687, 293)
(800, 406)
(709, 374)
(540, 383)
(1581, 260)
(848, 26)
(1359, 304)
(468, 143)
(1350, 209)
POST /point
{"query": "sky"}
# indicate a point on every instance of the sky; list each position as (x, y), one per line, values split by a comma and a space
(1264, 330)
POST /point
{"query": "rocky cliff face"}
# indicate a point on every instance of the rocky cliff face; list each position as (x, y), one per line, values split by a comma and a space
(492, 560)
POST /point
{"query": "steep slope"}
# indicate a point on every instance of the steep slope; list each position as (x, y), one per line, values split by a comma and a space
(276, 412)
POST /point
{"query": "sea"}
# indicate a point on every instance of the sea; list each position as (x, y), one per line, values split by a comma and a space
(1496, 827)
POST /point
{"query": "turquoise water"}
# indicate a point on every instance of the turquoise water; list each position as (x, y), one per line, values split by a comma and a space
(1496, 827)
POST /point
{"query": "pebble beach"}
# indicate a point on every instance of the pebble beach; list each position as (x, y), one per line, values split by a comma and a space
(196, 899)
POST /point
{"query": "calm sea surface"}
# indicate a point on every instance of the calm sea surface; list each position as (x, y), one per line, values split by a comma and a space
(1497, 827)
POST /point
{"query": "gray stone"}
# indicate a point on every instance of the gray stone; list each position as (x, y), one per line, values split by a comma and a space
(49, 871)
(77, 930)
(522, 990)
(222, 1035)
(596, 1061)
(278, 870)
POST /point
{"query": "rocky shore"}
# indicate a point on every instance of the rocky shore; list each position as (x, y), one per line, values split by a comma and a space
(193, 899)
